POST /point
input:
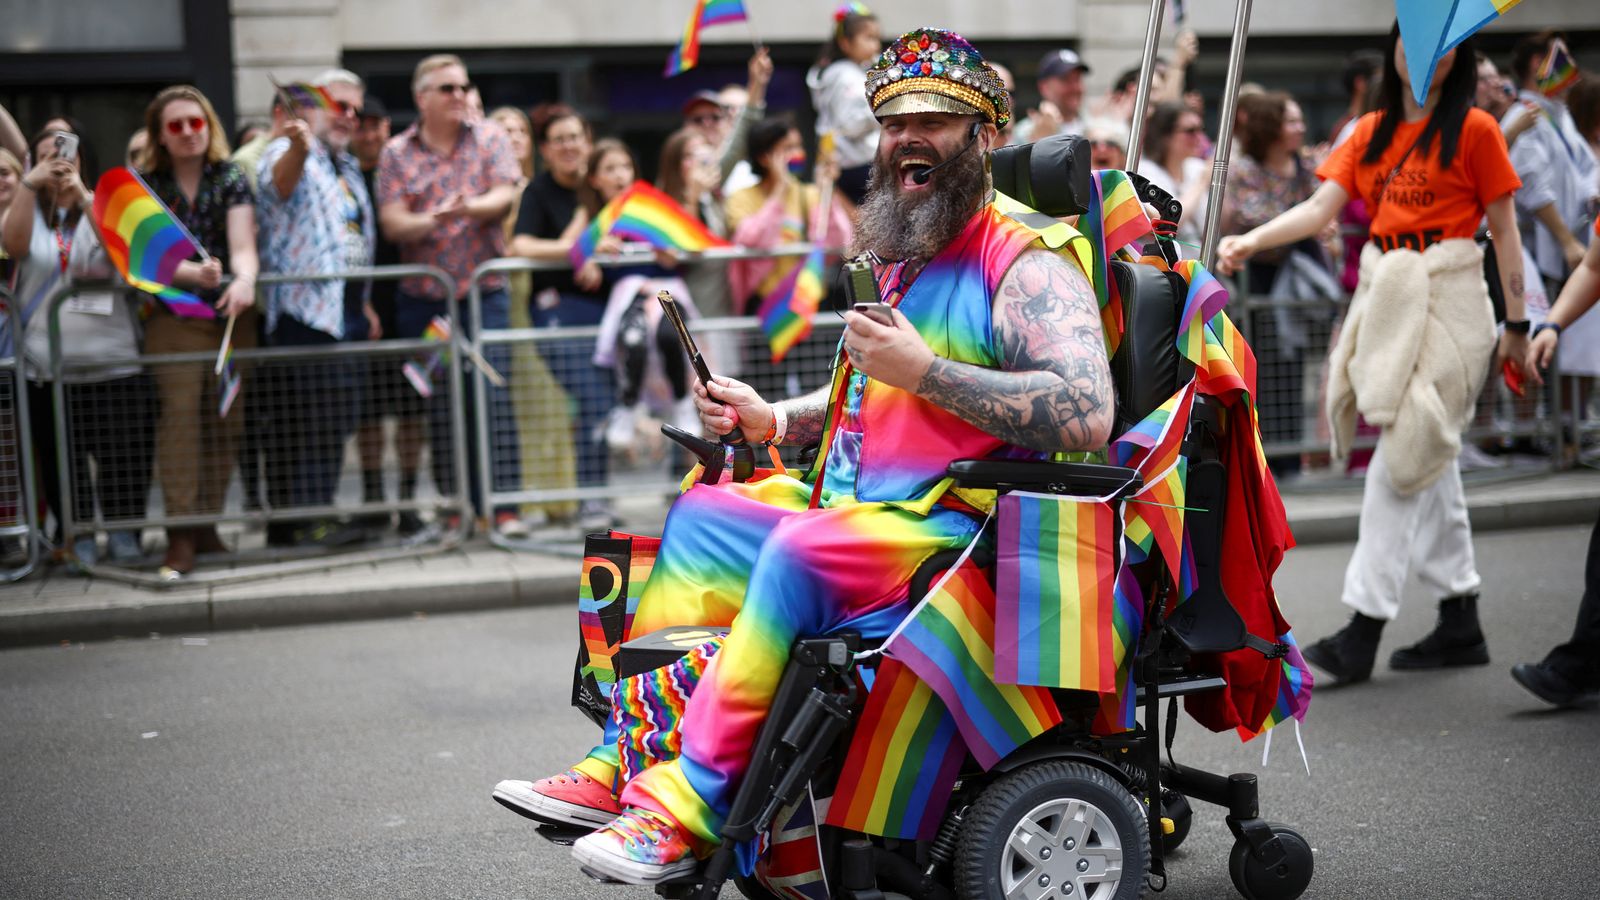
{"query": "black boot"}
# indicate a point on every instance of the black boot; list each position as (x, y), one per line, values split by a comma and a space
(1456, 639)
(1349, 654)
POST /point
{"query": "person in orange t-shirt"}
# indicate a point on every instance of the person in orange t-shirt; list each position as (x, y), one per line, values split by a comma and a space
(1428, 174)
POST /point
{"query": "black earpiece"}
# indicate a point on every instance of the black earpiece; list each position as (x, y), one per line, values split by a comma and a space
(921, 176)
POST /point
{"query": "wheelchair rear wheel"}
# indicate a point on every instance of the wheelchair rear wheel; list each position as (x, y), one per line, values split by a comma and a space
(1054, 829)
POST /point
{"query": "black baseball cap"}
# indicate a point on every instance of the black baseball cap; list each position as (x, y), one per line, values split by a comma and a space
(372, 107)
(1061, 62)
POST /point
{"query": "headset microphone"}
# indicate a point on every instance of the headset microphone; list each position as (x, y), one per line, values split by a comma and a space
(922, 176)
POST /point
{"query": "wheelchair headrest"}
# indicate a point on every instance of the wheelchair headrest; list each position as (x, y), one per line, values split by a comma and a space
(1147, 368)
(1049, 175)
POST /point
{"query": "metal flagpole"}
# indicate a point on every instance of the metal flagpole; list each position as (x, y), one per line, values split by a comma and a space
(1147, 70)
(1219, 168)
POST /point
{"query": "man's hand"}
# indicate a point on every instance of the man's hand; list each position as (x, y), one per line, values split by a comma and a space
(893, 354)
(729, 403)
(240, 296)
(1046, 119)
(452, 207)
(1541, 353)
(203, 276)
(760, 71)
(299, 134)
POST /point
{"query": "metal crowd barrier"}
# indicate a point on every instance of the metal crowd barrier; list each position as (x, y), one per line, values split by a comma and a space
(20, 539)
(554, 396)
(99, 407)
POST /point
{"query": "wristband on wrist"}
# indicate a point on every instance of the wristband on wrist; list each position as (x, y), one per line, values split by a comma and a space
(780, 425)
(1517, 326)
(1546, 326)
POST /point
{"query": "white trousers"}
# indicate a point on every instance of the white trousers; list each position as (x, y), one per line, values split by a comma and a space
(1427, 532)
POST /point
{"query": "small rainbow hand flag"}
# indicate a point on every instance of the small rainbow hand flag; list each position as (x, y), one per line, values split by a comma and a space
(686, 55)
(642, 213)
(420, 374)
(304, 93)
(144, 240)
(1558, 71)
(786, 312)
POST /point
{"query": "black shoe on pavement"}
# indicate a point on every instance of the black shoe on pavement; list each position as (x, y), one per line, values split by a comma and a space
(329, 535)
(1548, 684)
(282, 534)
(373, 523)
(1456, 639)
(1350, 653)
(410, 523)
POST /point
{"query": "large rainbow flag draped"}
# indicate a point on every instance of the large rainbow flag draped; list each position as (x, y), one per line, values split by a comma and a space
(1055, 611)
(686, 55)
(144, 240)
(1431, 28)
(949, 641)
(786, 312)
(642, 213)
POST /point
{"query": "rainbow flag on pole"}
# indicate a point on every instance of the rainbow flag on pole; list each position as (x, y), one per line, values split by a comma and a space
(642, 213)
(145, 240)
(1558, 71)
(902, 765)
(949, 642)
(1055, 612)
(786, 312)
(1431, 28)
(304, 93)
(686, 55)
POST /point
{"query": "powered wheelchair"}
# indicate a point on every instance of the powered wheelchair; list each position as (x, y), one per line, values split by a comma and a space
(1068, 814)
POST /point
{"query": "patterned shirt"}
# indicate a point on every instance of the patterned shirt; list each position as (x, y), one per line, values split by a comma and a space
(325, 225)
(222, 187)
(411, 173)
(1257, 195)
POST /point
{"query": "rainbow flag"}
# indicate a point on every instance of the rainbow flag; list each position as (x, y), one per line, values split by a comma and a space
(949, 642)
(306, 94)
(1153, 444)
(1559, 70)
(145, 240)
(1118, 709)
(1294, 690)
(420, 374)
(228, 387)
(643, 213)
(1205, 299)
(686, 55)
(1430, 28)
(1055, 613)
(787, 310)
(1115, 220)
(907, 752)
(615, 570)
(1153, 519)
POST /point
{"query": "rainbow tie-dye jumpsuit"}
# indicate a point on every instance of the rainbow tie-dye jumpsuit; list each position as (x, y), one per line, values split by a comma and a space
(762, 557)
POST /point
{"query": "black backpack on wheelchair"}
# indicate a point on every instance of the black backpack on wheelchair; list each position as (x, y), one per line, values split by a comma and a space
(1066, 815)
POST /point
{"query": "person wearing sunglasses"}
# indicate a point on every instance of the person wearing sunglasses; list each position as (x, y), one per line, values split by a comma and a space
(316, 219)
(187, 167)
(1174, 142)
(445, 186)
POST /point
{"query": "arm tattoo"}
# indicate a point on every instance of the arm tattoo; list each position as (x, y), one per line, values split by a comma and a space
(1053, 390)
(806, 415)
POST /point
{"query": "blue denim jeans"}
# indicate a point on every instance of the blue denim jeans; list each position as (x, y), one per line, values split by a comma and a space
(593, 390)
(412, 315)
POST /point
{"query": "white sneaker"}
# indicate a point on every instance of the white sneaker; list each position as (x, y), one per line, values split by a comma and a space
(619, 428)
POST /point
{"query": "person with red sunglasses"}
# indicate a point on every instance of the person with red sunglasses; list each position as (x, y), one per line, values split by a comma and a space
(187, 167)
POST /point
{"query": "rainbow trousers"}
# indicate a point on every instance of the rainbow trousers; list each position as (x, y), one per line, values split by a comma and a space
(755, 556)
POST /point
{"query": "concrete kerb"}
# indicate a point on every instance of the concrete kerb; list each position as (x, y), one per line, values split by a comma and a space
(480, 577)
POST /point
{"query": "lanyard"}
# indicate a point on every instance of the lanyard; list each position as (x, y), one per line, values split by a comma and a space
(64, 245)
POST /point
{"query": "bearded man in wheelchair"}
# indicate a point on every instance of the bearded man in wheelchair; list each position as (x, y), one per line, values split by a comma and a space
(988, 345)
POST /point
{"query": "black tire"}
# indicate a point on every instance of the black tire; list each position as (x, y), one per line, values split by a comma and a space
(993, 853)
(1175, 806)
(1284, 881)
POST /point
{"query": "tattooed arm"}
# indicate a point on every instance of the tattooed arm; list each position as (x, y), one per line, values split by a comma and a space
(1053, 390)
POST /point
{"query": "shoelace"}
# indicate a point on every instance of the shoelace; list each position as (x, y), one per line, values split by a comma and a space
(641, 825)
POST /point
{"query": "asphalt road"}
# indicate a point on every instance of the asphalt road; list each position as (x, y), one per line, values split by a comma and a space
(356, 760)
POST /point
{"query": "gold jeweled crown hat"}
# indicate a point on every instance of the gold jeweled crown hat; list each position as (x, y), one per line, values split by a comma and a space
(933, 70)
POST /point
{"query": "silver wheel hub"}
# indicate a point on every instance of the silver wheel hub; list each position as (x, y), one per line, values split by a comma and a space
(1064, 847)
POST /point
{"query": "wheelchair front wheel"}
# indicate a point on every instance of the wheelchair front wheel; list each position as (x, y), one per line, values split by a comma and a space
(1285, 880)
(1055, 828)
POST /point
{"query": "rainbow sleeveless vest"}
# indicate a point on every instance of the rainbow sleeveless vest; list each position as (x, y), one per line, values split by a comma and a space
(906, 442)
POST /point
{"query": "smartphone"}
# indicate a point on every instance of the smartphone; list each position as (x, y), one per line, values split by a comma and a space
(877, 311)
(66, 145)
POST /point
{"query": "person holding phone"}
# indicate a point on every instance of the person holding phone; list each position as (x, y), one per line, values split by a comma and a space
(993, 349)
(51, 235)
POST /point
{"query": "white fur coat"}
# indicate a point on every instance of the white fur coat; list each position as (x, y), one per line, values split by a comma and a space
(1412, 356)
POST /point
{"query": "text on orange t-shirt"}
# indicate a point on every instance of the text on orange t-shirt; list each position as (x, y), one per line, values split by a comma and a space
(1423, 204)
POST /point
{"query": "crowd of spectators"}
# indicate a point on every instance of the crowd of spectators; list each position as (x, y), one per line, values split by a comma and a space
(320, 189)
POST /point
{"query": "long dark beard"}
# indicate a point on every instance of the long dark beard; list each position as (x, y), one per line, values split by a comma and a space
(896, 225)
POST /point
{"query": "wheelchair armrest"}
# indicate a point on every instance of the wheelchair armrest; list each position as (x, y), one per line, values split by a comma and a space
(1045, 476)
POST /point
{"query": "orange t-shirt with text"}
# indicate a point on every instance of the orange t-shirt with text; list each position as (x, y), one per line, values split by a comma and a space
(1423, 203)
